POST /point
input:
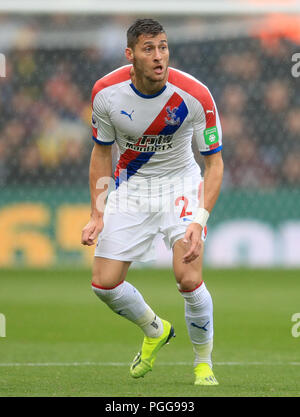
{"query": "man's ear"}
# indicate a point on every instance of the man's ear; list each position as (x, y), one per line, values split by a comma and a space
(129, 55)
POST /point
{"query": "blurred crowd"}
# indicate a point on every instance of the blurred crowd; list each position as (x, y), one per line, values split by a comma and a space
(45, 115)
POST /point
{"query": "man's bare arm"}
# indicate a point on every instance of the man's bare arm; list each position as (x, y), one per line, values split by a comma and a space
(213, 176)
(99, 174)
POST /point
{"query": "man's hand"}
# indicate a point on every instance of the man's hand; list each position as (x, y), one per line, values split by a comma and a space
(193, 240)
(91, 231)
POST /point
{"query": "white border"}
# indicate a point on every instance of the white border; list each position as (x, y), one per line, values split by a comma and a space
(136, 7)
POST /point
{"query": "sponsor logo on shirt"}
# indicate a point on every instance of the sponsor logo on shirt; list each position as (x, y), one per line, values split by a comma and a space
(211, 137)
(150, 143)
(94, 121)
(127, 114)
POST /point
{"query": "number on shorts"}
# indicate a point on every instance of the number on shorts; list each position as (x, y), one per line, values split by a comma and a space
(184, 208)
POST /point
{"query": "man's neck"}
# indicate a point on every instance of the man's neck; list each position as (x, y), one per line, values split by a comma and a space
(145, 86)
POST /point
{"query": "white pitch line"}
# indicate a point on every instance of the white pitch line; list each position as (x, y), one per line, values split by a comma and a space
(39, 364)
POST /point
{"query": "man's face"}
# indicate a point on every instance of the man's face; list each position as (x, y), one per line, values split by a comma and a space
(150, 57)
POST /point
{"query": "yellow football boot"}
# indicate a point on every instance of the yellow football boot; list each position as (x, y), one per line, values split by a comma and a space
(144, 360)
(204, 375)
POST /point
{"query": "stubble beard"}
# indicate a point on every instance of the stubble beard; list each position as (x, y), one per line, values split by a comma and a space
(141, 74)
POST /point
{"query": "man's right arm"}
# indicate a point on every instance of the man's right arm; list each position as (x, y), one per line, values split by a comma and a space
(99, 174)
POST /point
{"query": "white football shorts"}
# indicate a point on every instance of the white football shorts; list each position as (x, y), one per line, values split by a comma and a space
(131, 223)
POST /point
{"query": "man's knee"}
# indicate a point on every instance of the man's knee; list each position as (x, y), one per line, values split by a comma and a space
(188, 278)
(189, 282)
(108, 295)
(108, 273)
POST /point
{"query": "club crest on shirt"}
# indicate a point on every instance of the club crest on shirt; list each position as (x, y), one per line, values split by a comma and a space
(172, 119)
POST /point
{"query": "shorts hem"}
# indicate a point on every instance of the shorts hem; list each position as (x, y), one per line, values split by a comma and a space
(174, 240)
(121, 258)
(181, 236)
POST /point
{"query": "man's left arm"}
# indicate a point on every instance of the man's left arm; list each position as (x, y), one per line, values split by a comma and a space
(213, 176)
(209, 193)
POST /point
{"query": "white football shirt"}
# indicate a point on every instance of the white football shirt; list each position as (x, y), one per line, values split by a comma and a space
(154, 132)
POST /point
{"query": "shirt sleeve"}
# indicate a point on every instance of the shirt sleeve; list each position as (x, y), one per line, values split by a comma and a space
(103, 130)
(207, 126)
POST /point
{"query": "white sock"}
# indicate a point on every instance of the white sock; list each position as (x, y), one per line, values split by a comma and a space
(126, 300)
(199, 321)
(203, 353)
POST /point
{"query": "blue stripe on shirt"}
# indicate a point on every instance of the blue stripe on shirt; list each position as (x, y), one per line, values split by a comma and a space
(212, 151)
(100, 142)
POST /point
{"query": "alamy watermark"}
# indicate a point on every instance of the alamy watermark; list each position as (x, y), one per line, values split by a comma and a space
(2, 65)
(2, 325)
(296, 67)
(149, 195)
(296, 326)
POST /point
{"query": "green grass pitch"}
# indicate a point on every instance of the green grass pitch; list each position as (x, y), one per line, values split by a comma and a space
(62, 341)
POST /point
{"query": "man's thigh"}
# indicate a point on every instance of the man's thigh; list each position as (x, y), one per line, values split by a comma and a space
(188, 276)
(108, 273)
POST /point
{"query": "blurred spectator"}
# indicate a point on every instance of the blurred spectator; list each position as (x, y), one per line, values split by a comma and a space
(293, 123)
(3, 163)
(233, 100)
(243, 65)
(276, 97)
(30, 168)
(58, 138)
(291, 169)
(249, 169)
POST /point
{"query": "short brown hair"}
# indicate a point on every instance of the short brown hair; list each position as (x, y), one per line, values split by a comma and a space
(140, 27)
